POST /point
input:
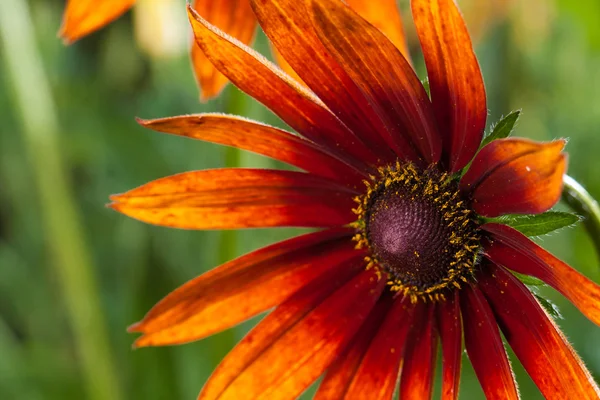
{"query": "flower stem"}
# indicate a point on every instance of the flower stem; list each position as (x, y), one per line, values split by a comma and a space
(60, 219)
(228, 242)
(584, 204)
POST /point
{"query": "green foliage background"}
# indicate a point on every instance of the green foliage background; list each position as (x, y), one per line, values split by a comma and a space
(102, 82)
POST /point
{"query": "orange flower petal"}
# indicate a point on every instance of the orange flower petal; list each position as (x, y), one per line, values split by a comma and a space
(301, 354)
(377, 374)
(238, 198)
(293, 103)
(244, 287)
(384, 76)
(419, 357)
(450, 328)
(385, 16)
(278, 322)
(515, 176)
(340, 374)
(234, 17)
(457, 90)
(259, 138)
(536, 340)
(82, 17)
(485, 348)
(290, 27)
(513, 250)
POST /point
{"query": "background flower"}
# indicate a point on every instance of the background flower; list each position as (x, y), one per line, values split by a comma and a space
(102, 81)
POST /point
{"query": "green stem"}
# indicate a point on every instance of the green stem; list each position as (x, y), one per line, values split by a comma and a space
(228, 241)
(584, 204)
(60, 219)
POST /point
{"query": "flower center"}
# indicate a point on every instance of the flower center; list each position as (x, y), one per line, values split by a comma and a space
(418, 230)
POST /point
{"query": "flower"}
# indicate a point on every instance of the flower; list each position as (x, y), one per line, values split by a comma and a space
(404, 255)
(234, 17)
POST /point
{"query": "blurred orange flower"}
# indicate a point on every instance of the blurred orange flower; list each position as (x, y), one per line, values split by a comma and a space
(234, 17)
(405, 258)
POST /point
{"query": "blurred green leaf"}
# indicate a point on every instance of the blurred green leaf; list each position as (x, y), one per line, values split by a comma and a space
(540, 224)
(503, 128)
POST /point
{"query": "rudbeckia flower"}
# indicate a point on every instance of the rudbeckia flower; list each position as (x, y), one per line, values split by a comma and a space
(234, 17)
(408, 254)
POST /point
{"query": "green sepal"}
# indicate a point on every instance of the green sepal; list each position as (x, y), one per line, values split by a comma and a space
(549, 306)
(425, 83)
(503, 128)
(529, 280)
(539, 224)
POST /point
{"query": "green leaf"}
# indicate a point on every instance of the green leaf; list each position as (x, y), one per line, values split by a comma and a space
(540, 224)
(549, 306)
(503, 128)
(425, 83)
(529, 280)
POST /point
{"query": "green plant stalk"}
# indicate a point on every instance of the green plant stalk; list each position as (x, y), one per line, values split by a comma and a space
(60, 220)
(584, 204)
(228, 240)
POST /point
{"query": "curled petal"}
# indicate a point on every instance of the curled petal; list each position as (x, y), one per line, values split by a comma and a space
(515, 176)
(277, 323)
(419, 357)
(259, 138)
(293, 103)
(290, 27)
(235, 18)
(384, 76)
(536, 340)
(457, 90)
(450, 328)
(238, 198)
(377, 375)
(241, 288)
(513, 250)
(485, 348)
(385, 16)
(340, 374)
(82, 17)
(289, 365)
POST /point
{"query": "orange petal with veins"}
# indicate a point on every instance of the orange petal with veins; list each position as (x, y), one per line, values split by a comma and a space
(244, 287)
(239, 198)
(455, 81)
(259, 138)
(536, 340)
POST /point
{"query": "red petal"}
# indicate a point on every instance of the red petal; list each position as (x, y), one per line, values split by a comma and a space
(377, 374)
(276, 324)
(262, 139)
(238, 198)
(241, 288)
(83, 17)
(301, 354)
(419, 357)
(384, 76)
(340, 374)
(289, 26)
(515, 251)
(385, 16)
(516, 176)
(457, 90)
(450, 328)
(535, 339)
(233, 17)
(259, 78)
(485, 348)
